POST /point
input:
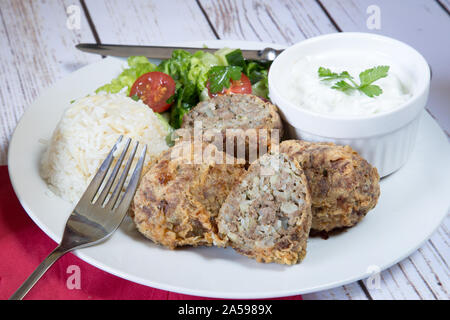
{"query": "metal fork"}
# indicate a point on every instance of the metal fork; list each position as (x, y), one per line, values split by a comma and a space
(94, 218)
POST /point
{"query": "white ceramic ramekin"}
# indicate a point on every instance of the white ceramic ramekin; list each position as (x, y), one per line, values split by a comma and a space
(385, 139)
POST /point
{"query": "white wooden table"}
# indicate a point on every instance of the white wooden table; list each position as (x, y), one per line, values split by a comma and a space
(37, 48)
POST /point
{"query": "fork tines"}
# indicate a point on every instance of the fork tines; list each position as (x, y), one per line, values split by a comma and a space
(97, 192)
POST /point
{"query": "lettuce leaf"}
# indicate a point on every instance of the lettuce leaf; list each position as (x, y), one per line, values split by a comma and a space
(258, 72)
(179, 67)
(261, 88)
(138, 65)
(201, 63)
(221, 54)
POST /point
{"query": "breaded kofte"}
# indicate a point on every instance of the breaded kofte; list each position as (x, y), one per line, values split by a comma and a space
(242, 119)
(344, 186)
(180, 195)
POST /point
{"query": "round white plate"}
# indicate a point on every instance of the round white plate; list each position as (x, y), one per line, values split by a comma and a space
(413, 202)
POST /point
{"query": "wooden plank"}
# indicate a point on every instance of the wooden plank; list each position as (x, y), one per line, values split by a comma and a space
(284, 22)
(394, 285)
(351, 291)
(431, 262)
(37, 50)
(423, 24)
(440, 242)
(148, 22)
(423, 275)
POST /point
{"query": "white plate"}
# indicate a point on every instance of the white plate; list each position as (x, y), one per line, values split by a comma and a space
(413, 202)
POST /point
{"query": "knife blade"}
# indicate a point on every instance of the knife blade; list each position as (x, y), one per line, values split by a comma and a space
(162, 52)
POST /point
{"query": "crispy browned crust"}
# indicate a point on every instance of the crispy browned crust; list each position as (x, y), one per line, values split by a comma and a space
(344, 186)
(177, 201)
(251, 113)
(268, 216)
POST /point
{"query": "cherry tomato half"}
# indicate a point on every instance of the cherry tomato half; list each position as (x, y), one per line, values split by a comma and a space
(242, 85)
(154, 88)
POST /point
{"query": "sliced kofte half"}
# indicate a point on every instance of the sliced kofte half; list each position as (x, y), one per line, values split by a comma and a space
(179, 197)
(268, 215)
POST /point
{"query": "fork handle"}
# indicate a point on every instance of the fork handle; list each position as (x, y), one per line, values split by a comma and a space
(38, 273)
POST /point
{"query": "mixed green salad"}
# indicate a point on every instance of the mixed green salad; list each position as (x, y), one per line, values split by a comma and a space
(177, 84)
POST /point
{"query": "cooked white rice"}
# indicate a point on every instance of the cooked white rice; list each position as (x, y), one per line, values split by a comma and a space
(86, 133)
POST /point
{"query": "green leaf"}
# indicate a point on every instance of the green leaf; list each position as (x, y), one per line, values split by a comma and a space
(177, 113)
(138, 65)
(371, 90)
(345, 74)
(367, 77)
(201, 62)
(219, 77)
(261, 89)
(235, 72)
(371, 75)
(235, 58)
(206, 58)
(325, 72)
(221, 55)
(343, 86)
(257, 73)
(134, 61)
(256, 70)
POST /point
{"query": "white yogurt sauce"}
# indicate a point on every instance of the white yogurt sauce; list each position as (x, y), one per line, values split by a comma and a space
(306, 90)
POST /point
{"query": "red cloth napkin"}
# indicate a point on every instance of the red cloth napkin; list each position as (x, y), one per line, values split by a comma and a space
(23, 246)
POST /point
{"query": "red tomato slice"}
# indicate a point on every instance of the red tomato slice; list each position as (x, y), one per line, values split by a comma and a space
(154, 88)
(242, 85)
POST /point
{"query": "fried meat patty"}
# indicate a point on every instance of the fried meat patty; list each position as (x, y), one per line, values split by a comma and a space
(178, 199)
(344, 186)
(238, 117)
(268, 215)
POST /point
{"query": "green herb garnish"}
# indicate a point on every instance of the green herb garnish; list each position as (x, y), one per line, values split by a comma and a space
(347, 83)
(219, 77)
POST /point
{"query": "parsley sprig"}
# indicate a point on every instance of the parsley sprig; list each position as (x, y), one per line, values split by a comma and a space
(347, 83)
(220, 76)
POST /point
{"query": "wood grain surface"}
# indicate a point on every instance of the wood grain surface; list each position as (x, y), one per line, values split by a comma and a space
(144, 22)
(284, 22)
(38, 49)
